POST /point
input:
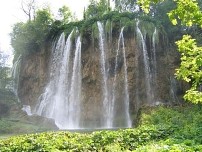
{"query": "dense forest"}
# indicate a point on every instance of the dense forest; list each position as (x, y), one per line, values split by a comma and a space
(163, 126)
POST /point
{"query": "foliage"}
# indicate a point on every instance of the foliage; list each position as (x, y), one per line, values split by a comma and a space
(159, 13)
(186, 13)
(28, 7)
(161, 129)
(65, 14)
(98, 141)
(28, 37)
(97, 9)
(186, 123)
(145, 4)
(5, 77)
(125, 5)
(147, 28)
(190, 67)
(113, 20)
(7, 97)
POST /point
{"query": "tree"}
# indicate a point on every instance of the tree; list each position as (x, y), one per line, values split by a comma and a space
(91, 10)
(28, 7)
(28, 37)
(65, 14)
(125, 5)
(97, 9)
(5, 77)
(191, 67)
(159, 13)
(187, 13)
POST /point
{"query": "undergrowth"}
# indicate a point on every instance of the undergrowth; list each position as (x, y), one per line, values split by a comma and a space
(160, 129)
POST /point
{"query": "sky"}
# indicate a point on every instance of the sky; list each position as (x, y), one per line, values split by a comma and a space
(11, 13)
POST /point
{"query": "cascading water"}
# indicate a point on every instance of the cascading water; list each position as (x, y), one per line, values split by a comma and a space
(148, 76)
(15, 74)
(75, 89)
(173, 89)
(109, 101)
(27, 109)
(154, 62)
(107, 122)
(47, 101)
(59, 101)
(126, 94)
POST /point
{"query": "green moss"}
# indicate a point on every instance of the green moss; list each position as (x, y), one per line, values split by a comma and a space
(147, 28)
(108, 26)
(86, 27)
(95, 31)
(114, 19)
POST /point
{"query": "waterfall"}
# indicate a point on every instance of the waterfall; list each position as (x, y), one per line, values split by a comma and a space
(154, 39)
(115, 79)
(173, 89)
(59, 100)
(27, 109)
(75, 89)
(148, 76)
(106, 102)
(15, 74)
(47, 105)
(154, 63)
(109, 95)
(126, 94)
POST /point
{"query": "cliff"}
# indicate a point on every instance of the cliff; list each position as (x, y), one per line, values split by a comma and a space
(137, 62)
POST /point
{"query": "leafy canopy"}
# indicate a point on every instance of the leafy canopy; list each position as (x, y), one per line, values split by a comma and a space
(5, 78)
(97, 9)
(125, 5)
(187, 13)
(191, 67)
(28, 37)
(65, 14)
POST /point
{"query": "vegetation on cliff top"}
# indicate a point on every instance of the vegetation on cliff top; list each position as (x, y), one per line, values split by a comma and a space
(29, 37)
(160, 129)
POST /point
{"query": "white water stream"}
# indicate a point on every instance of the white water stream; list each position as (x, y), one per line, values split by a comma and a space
(61, 98)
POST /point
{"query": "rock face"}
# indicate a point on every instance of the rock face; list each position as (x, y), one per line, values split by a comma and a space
(33, 76)
(150, 73)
